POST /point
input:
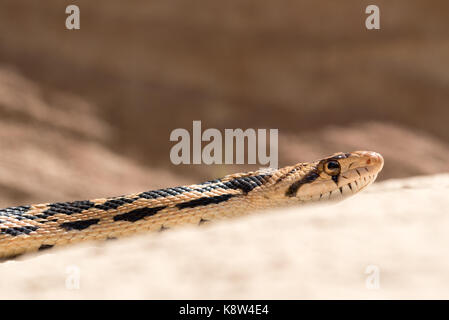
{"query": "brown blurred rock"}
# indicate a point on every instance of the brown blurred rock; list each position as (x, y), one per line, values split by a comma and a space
(52, 149)
(152, 66)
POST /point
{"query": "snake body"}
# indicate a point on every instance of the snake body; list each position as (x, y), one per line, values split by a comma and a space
(42, 226)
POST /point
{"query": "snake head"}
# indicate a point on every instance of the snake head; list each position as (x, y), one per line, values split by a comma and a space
(337, 176)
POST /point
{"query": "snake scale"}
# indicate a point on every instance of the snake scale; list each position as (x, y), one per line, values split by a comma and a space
(37, 227)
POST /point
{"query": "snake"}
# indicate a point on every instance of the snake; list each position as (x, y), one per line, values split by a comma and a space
(33, 228)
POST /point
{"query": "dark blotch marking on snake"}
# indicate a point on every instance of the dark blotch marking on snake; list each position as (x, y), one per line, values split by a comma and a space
(162, 193)
(115, 203)
(162, 229)
(246, 184)
(138, 214)
(335, 179)
(17, 231)
(204, 201)
(293, 189)
(79, 225)
(11, 257)
(18, 213)
(67, 208)
(45, 247)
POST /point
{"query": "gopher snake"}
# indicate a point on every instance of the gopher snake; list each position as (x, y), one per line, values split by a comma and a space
(37, 227)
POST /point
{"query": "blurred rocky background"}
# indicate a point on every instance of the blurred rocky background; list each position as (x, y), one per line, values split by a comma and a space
(88, 113)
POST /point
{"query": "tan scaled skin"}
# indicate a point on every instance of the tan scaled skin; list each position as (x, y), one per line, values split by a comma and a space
(42, 226)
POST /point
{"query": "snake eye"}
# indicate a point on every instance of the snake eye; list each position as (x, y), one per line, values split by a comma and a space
(332, 167)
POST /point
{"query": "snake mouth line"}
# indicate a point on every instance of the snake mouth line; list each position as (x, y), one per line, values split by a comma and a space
(348, 189)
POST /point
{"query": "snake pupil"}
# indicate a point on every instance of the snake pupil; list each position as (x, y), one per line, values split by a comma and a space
(333, 165)
(332, 168)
